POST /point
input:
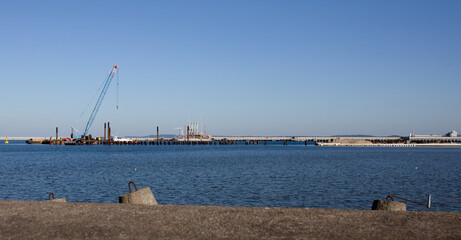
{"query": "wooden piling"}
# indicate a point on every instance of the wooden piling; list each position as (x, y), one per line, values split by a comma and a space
(187, 133)
(105, 135)
(109, 140)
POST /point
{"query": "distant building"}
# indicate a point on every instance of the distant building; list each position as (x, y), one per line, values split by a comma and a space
(452, 133)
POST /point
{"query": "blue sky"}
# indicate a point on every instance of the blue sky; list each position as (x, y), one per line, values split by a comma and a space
(241, 67)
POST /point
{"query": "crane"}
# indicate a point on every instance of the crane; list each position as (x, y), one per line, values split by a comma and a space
(101, 97)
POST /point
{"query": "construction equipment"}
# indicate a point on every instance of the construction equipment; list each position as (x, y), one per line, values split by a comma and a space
(100, 99)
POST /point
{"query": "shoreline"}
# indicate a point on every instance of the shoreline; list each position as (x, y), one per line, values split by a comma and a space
(48, 220)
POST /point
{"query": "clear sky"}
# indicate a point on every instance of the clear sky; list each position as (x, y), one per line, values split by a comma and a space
(242, 67)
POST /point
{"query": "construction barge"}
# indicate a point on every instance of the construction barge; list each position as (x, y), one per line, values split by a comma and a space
(190, 136)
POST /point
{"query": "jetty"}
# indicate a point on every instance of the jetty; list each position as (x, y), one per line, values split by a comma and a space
(54, 220)
(192, 136)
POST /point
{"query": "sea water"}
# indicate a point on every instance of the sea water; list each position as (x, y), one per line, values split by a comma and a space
(270, 175)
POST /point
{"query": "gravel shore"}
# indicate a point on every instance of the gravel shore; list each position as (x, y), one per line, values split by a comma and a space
(46, 220)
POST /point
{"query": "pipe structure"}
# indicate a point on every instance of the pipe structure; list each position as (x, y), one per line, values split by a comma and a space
(56, 136)
(157, 134)
(109, 138)
(187, 133)
(105, 136)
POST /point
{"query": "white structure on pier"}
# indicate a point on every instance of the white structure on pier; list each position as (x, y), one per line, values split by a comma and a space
(192, 131)
(452, 133)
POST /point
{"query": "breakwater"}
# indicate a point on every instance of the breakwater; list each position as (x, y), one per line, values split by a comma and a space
(40, 220)
(256, 140)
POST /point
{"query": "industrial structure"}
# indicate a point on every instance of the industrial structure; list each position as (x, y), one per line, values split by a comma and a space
(195, 134)
(85, 137)
(100, 99)
(451, 136)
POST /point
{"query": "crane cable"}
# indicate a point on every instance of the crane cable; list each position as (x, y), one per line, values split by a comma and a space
(90, 102)
(94, 97)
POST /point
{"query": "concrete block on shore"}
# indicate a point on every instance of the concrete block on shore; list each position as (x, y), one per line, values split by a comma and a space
(384, 205)
(52, 199)
(141, 196)
(62, 200)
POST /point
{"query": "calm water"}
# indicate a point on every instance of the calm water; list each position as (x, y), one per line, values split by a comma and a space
(254, 175)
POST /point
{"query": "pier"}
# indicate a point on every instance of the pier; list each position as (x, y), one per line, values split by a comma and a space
(411, 141)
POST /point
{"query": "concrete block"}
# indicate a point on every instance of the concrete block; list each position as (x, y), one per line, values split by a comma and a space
(57, 200)
(52, 199)
(141, 196)
(384, 205)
